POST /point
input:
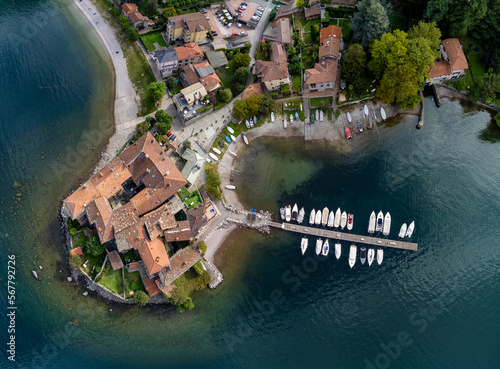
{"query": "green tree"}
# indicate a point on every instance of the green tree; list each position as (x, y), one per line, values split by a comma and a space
(180, 300)
(157, 90)
(241, 60)
(94, 247)
(164, 122)
(266, 105)
(151, 8)
(354, 67)
(300, 3)
(292, 51)
(213, 181)
(202, 246)
(489, 85)
(186, 144)
(75, 261)
(171, 82)
(370, 22)
(169, 12)
(239, 79)
(131, 33)
(140, 298)
(497, 119)
(429, 31)
(224, 95)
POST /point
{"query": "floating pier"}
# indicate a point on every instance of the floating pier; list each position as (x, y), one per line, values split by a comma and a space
(342, 236)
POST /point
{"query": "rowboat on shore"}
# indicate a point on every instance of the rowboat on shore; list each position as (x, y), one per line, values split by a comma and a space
(213, 157)
(230, 130)
(382, 113)
(230, 187)
(349, 117)
(245, 140)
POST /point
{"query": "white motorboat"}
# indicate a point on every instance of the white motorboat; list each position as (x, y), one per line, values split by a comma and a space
(295, 212)
(247, 123)
(245, 140)
(331, 217)
(291, 118)
(371, 256)
(411, 227)
(402, 231)
(284, 123)
(352, 255)
(300, 106)
(230, 187)
(213, 157)
(362, 255)
(326, 248)
(387, 224)
(317, 220)
(312, 216)
(300, 218)
(380, 256)
(382, 113)
(272, 117)
(232, 138)
(319, 245)
(316, 115)
(365, 110)
(338, 250)
(324, 217)
(303, 245)
(321, 115)
(380, 221)
(232, 153)
(349, 117)
(230, 130)
(343, 220)
(336, 221)
(350, 221)
(216, 150)
(371, 223)
(288, 213)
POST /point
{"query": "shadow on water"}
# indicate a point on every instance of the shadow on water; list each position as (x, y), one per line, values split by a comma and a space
(490, 134)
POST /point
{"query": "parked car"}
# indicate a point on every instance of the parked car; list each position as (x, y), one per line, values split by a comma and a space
(156, 26)
(203, 11)
(169, 133)
(238, 25)
(242, 33)
(235, 34)
(172, 137)
(239, 11)
(213, 31)
(215, 34)
(229, 25)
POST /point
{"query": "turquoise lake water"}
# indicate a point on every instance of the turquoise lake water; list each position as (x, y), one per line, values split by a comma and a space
(434, 308)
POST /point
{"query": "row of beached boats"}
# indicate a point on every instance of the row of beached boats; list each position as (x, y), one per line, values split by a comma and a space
(366, 112)
(381, 223)
(323, 248)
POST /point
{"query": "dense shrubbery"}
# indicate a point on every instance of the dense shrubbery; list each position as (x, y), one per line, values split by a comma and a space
(256, 104)
(93, 246)
(140, 298)
(213, 181)
(128, 29)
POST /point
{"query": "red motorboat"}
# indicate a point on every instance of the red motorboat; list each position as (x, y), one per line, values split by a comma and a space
(348, 133)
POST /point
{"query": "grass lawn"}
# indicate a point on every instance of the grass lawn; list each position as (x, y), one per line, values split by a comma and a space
(307, 61)
(345, 24)
(310, 23)
(150, 38)
(475, 66)
(297, 80)
(292, 104)
(111, 279)
(133, 282)
(183, 193)
(79, 239)
(319, 102)
(176, 89)
(397, 21)
(194, 200)
(93, 261)
(308, 38)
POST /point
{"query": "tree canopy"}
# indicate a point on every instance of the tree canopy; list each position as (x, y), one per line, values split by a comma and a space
(140, 298)
(370, 22)
(354, 66)
(241, 60)
(164, 122)
(239, 79)
(157, 90)
(224, 95)
(171, 82)
(94, 247)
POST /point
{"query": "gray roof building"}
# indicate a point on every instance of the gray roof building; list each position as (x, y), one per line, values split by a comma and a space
(217, 59)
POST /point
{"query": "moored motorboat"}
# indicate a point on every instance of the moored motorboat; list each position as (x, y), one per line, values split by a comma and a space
(288, 213)
(216, 150)
(380, 221)
(360, 126)
(382, 113)
(326, 248)
(213, 157)
(232, 153)
(251, 123)
(272, 117)
(352, 255)
(411, 227)
(387, 224)
(336, 221)
(312, 216)
(245, 140)
(331, 218)
(362, 255)
(319, 245)
(371, 256)
(303, 244)
(347, 133)
(338, 250)
(371, 222)
(374, 114)
(300, 218)
(380, 256)
(230, 130)
(349, 119)
(365, 110)
(402, 231)
(350, 221)
(282, 213)
(295, 212)
(230, 187)
(317, 219)
(343, 220)
(324, 217)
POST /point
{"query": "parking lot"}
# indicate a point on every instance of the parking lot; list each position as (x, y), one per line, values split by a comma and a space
(223, 32)
(247, 14)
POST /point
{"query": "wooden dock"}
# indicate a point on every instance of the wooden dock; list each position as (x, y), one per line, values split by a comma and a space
(341, 236)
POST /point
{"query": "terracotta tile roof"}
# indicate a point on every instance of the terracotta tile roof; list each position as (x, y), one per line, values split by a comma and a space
(331, 31)
(115, 260)
(324, 71)
(150, 285)
(279, 32)
(210, 82)
(314, 10)
(76, 202)
(77, 251)
(275, 69)
(330, 42)
(131, 237)
(285, 11)
(133, 265)
(137, 17)
(109, 179)
(158, 221)
(253, 89)
(99, 213)
(455, 53)
(181, 232)
(441, 68)
(129, 8)
(154, 255)
(124, 217)
(199, 216)
(189, 50)
(189, 74)
(181, 262)
(194, 22)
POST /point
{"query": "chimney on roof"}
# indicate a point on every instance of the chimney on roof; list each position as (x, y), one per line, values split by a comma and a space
(147, 156)
(147, 170)
(152, 141)
(100, 174)
(157, 259)
(167, 173)
(84, 185)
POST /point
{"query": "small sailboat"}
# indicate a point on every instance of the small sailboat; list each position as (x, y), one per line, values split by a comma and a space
(411, 227)
(349, 119)
(371, 256)
(282, 213)
(365, 110)
(324, 217)
(331, 218)
(382, 113)
(336, 221)
(288, 213)
(295, 212)
(380, 256)
(347, 133)
(317, 114)
(291, 118)
(312, 216)
(300, 218)
(213, 157)
(319, 244)
(360, 126)
(362, 255)
(230, 130)
(338, 250)
(303, 244)
(227, 139)
(230, 187)
(272, 117)
(326, 248)
(247, 123)
(371, 223)
(350, 220)
(321, 115)
(317, 220)
(402, 231)
(296, 116)
(343, 220)
(387, 224)
(284, 123)
(380, 221)
(245, 140)
(352, 255)
(216, 150)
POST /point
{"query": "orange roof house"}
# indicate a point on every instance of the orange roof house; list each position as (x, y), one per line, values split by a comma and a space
(275, 72)
(129, 8)
(74, 205)
(99, 213)
(181, 232)
(154, 255)
(452, 64)
(203, 73)
(322, 77)
(188, 51)
(115, 260)
(253, 89)
(330, 38)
